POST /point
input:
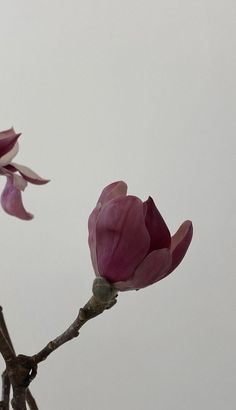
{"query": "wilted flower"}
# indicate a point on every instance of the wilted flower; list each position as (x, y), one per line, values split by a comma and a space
(130, 244)
(17, 176)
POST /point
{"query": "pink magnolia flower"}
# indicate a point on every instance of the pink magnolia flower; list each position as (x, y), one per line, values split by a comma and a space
(130, 244)
(17, 176)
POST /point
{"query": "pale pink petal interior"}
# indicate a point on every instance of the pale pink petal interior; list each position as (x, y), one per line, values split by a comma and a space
(29, 174)
(7, 133)
(19, 182)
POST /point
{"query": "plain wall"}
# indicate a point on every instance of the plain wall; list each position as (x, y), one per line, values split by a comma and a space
(142, 91)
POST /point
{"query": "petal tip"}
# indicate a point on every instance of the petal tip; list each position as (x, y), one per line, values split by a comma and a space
(180, 242)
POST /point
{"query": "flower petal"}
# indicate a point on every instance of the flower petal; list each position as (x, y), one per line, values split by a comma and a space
(5, 159)
(27, 173)
(8, 139)
(122, 238)
(19, 182)
(180, 243)
(112, 191)
(12, 202)
(116, 189)
(152, 269)
(7, 133)
(92, 221)
(156, 226)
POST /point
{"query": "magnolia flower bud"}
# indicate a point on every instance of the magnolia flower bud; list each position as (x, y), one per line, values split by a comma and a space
(130, 243)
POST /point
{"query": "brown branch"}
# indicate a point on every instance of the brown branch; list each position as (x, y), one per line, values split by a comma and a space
(22, 369)
(5, 348)
(19, 398)
(12, 369)
(4, 329)
(10, 360)
(31, 401)
(104, 297)
(4, 403)
(90, 310)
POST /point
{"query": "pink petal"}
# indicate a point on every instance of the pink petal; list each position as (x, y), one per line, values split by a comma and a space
(12, 202)
(5, 159)
(7, 133)
(112, 191)
(152, 269)
(122, 238)
(180, 243)
(8, 139)
(92, 237)
(156, 226)
(19, 182)
(28, 174)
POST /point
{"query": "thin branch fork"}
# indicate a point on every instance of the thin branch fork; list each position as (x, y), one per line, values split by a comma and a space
(12, 374)
(21, 369)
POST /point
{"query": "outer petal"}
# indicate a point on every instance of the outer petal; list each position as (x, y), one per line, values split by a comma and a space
(7, 133)
(27, 174)
(113, 191)
(156, 226)
(11, 201)
(180, 243)
(92, 237)
(8, 139)
(122, 238)
(152, 269)
(6, 159)
(110, 192)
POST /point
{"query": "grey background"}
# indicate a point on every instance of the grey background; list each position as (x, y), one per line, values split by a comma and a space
(142, 91)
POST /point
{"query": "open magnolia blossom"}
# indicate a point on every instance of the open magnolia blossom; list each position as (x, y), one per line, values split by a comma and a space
(130, 244)
(17, 176)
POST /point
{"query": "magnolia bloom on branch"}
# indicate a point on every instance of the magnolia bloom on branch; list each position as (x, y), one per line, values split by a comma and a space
(17, 176)
(130, 243)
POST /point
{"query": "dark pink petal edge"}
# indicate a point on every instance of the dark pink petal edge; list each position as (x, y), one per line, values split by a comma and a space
(156, 226)
(8, 139)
